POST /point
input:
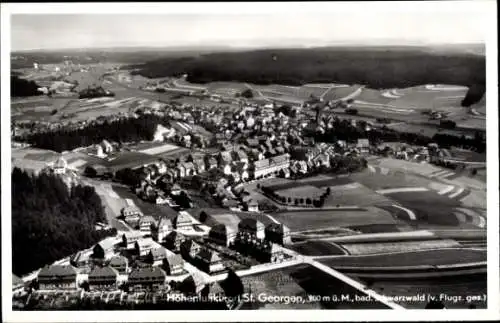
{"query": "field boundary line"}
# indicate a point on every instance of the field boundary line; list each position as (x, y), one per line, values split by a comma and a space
(410, 213)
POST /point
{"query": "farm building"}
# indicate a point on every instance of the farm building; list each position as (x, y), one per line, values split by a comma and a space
(252, 227)
(222, 234)
(278, 233)
(103, 278)
(57, 277)
(146, 278)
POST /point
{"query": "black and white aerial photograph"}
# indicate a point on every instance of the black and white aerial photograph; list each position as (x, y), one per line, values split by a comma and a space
(211, 156)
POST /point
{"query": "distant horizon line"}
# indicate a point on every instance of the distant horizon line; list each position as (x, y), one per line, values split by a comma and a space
(250, 47)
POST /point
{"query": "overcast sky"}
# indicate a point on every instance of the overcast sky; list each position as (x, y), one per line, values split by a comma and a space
(44, 31)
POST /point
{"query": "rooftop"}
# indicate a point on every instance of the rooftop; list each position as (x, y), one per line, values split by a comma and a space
(250, 224)
(99, 272)
(147, 272)
(55, 271)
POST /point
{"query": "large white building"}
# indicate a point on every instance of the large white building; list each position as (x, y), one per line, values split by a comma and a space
(271, 166)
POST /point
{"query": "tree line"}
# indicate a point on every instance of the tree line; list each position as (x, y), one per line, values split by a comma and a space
(123, 130)
(344, 130)
(51, 221)
(21, 88)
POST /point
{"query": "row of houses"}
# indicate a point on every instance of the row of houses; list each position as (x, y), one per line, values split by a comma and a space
(58, 277)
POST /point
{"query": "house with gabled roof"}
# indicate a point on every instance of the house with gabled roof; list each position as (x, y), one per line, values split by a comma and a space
(149, 278)
(222, 234)
(120, 263)
(278, 233)
(189, 249)
(145, 224)
(160, 231)
(182, 220)
(156, 255)
(173, 241)
(57, 277)
(131, 213)
(104, 249)
(130, 238)
(143, 246)
(103, 278)
(209, 261)
(252, 227)
(173, 264)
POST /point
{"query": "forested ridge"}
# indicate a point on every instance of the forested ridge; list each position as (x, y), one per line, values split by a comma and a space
(376, 68)
(123, 130)
(51, 221)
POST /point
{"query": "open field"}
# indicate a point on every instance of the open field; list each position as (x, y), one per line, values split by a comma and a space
(378, 181)
(317, 248)
(322, 219)
(38, 108)
(303, 280)
(343, 93)
(381, 228)
(354, 194)
(34, 154)
(415, 258)
(277, 283)
(453, 287)
(430, 207)
(401, 246)
(465, 155)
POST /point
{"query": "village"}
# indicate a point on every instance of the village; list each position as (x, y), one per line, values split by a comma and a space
(196, 203)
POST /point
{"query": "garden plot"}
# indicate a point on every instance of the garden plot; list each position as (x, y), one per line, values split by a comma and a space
(317, 248)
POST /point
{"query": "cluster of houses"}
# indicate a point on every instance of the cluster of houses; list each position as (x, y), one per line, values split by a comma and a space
(148, 258)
